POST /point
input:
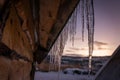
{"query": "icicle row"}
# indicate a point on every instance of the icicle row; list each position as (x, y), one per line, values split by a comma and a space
(57, 49)
(87, 16)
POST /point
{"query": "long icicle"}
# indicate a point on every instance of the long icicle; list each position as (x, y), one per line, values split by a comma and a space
(90, 27)
(82, 21)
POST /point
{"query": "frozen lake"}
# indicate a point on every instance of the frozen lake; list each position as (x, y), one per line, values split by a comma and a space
(54, 76)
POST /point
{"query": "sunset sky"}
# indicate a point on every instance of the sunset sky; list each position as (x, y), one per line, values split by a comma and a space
(107, 31)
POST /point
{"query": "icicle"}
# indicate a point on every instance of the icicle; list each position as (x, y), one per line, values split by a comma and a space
(82, 21)
(90, 27)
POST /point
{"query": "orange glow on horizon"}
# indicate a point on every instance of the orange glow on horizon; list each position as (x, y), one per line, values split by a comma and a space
(103, 51)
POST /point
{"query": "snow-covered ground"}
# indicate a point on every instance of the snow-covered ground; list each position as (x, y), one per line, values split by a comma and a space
(54, 76)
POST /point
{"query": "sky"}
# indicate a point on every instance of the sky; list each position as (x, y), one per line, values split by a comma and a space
(107, 31)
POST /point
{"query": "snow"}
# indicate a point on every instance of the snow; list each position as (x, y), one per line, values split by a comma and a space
(54, 76)
(71, 70)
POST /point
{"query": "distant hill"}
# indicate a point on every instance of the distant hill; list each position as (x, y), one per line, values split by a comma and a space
(74, 62)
